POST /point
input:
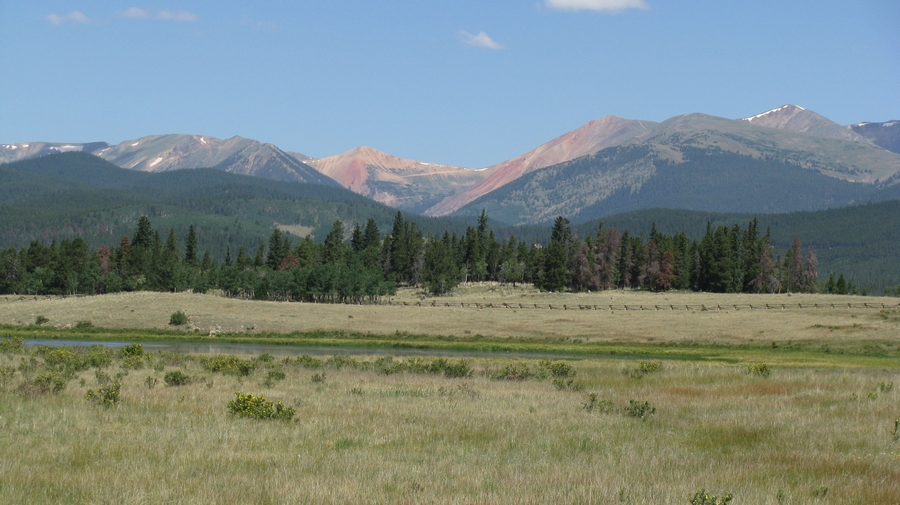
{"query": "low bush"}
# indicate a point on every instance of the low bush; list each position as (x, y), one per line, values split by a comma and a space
(98, 356)
(39, 320)
(106, 396)
(339, 361)
(639, 410)
(451, 369)
(273, 376)
(176, 378)
(11, 345)
(387, 366)
(594, 403)
(760, 369)
(84, 324)
(228, 365)
(257, 407)
(556, 370)
(307, 361)
(178, 318)
(512, 372)
(132, 350)
(701, 497)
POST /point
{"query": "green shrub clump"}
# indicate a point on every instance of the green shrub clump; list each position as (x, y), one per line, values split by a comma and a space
(107, 395)
(639, 410)
(176, 378)
(760, 369)
(257, 407)
(178, 318)
(512, 372)
(39, 320)
(229, 365)
(701, 497)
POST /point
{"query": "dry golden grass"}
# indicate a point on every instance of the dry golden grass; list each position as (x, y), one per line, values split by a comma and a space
(807, 435)
(211, 313)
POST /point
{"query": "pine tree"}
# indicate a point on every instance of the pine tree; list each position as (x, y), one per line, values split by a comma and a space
(190, 247)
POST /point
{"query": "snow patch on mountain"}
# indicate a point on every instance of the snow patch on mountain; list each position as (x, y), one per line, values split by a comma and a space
(751, 118)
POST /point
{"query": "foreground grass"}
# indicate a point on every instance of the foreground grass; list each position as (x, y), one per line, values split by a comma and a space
(361, 435)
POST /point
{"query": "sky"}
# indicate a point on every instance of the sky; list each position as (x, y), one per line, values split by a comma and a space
(462, 82)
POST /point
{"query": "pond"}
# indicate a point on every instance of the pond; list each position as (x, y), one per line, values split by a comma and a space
(188, 347)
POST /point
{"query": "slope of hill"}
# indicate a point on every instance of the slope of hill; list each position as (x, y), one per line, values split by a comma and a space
(859, 241)
(588, 139)
(626, 178)
(160, 153)
(76, 194)
(798, 119)
(885, 135)
(406, 184)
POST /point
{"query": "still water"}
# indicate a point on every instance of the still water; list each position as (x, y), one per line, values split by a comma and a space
(290, 350)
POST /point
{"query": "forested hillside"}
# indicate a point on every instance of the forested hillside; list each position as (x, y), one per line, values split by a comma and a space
(75, 194)
(627, 178)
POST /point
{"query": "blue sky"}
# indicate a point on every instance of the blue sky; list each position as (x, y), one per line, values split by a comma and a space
(462, 82)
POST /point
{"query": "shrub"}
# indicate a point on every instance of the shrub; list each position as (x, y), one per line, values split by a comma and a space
(273, 376)
(52, 382)
(133, 362)
(257, 407)
(643, 368)
(558, 369)
(11, 345)
(97, 356)
(639, 410)
(512, 372)
(84, 324)
(39, 320)
(567, 384)
(451, 369)
(132, 350)
(228, 365)
(60, 359)
(318, 378)
(151, 382)
(307, 361)
(595, 403)
(176, 378)
(339, 361)
(701, 497)
(896, 433)
(760, 369)
(106, 396)
(387, 366)
(178, 318)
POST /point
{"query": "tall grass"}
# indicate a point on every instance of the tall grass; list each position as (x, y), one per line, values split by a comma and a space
(800, 435)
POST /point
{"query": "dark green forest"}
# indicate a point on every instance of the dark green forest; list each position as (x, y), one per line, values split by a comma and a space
(70, 222)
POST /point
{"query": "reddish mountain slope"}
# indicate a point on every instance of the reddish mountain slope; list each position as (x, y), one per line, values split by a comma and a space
(407, 184)
(594, 136)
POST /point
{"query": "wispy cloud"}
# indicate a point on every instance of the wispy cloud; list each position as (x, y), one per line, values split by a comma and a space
(597, 5)
(176, 16)
(73, 17)
(138, 13)
(266, 26)
(480, 40)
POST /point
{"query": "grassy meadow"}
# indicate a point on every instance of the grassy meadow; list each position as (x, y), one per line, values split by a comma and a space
(773, 406)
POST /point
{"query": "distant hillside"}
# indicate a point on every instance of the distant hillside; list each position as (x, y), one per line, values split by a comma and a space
(798, 119)
(885, 135)
(160, 153)
(405, 184)
(627, 178)
(588, 139)
(860, 241)
(77, 194)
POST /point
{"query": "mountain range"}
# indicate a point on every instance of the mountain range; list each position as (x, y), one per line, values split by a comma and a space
(782, 160)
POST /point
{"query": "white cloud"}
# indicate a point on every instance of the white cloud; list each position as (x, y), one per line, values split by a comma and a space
(597, 5)
(480, 40)
(136, 13)
(176, 16)
(73, 16)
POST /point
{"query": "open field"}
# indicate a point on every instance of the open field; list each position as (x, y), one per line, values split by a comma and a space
(364, 435)
(826, 331)
(817, 427)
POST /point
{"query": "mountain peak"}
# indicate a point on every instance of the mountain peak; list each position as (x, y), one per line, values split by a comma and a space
(798, 119)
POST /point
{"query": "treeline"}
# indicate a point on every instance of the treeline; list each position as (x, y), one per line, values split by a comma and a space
(370, 265)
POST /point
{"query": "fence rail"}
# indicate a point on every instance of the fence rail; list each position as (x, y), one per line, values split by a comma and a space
(629, 307)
